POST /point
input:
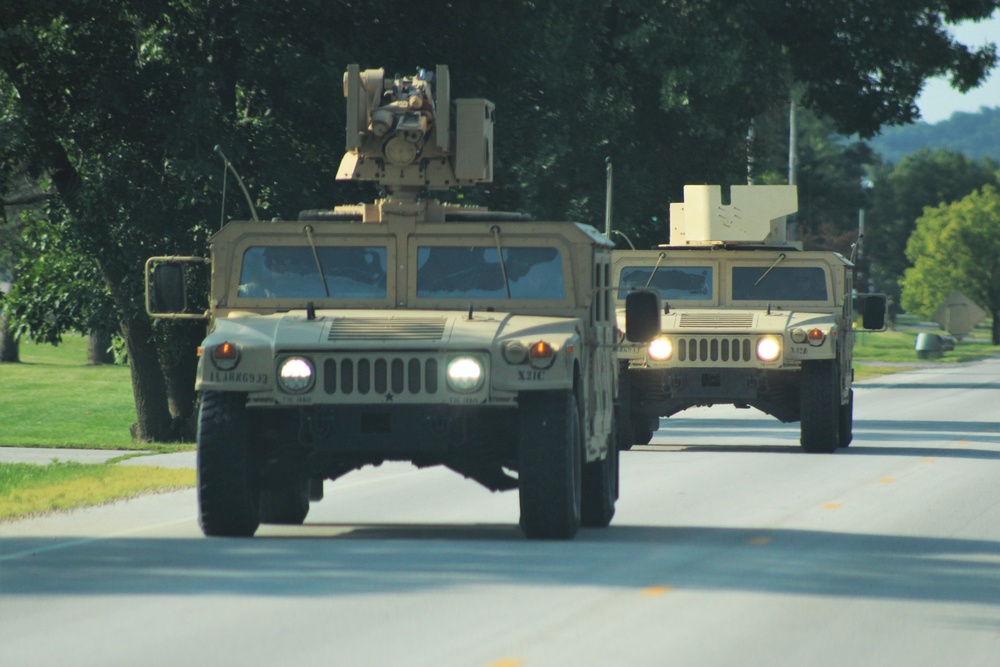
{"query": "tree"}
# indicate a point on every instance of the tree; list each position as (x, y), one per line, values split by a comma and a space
(119, 104)
(956, 247)
(900, 195)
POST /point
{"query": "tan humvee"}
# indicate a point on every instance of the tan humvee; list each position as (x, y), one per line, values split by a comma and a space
(747, 319)
(407, 329)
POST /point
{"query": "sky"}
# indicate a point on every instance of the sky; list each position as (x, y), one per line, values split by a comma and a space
(938, 100)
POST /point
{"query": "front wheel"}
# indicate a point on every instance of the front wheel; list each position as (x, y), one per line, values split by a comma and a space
(228, 496)
(821, 414)
(600, 490)
(847, 420)
(549, 465)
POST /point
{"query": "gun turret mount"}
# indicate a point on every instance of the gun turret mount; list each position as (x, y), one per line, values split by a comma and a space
(755, 216)
(399, 133)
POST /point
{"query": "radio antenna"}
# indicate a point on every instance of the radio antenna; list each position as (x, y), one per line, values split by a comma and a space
(229, 166)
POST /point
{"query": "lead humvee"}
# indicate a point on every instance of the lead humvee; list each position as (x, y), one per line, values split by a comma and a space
(406, 329)
(747, 319)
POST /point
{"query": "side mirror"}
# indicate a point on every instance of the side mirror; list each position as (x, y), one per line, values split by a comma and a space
(642, 316)
(873, 309)
(167, 291)
(166, 287)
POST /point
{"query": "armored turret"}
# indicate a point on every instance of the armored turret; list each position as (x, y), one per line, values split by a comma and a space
(756, 215)
(401, 135)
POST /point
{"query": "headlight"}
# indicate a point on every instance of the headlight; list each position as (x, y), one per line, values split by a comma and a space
(660, 349)
(465, 374)
(798, 336)
(768, 349)
(296, 375)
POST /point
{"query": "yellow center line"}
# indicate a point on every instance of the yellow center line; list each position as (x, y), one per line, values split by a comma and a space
(507, 662)
(831, 506)
(886, 480)
(653, 591)
(929, 459)
(759, 541)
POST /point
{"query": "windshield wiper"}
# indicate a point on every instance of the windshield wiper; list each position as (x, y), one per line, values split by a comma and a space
(503, 267)
(764, 275)
(319, 265)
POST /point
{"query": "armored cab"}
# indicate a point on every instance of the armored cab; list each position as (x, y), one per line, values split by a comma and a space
(745, 318)
(405, 329)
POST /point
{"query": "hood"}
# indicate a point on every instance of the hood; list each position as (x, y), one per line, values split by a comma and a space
(368, 329)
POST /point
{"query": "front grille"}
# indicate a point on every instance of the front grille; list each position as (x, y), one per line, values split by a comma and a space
(382, 328)
(712, 320)
(411, 376)
(724, 349)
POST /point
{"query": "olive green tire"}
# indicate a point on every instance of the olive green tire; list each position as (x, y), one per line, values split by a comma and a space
(600, 490)
(847, 420)
(227, 487)
(549, 465)
(820, 395)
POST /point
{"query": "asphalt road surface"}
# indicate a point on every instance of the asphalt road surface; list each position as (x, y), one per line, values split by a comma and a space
(730, 547)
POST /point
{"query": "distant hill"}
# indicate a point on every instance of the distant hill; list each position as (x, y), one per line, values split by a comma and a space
(974, 134)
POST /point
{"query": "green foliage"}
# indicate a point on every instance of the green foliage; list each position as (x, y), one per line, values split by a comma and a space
(974, 134)
(120, 102)
(956, 247)
(900, 195)
(58, 288)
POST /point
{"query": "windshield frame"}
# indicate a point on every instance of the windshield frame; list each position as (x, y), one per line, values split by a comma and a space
(239, 249)
(668, 263)
(487, 241)
(791, 263)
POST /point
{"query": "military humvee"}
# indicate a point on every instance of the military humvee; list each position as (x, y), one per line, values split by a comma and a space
(747, 319)
(407, 329)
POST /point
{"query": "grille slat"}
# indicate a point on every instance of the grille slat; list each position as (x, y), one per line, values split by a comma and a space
(715, 349)
(371, 328)
(410, 375)
(708, 320)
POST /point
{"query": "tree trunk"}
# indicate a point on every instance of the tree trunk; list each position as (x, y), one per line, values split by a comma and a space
(98, 347)
(996, 327)
(180, 373)
(148, 386)
(10, 350)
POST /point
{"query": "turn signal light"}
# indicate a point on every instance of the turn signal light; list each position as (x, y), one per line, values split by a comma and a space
(541, 354)
(225, 356)
(816, 336)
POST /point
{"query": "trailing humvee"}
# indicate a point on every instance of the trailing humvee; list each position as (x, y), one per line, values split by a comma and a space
(746, 319)
(407, 329)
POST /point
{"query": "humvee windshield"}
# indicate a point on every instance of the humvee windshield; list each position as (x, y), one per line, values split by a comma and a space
(352, 272)
(675, 283)
(781, 283)
(462, 272)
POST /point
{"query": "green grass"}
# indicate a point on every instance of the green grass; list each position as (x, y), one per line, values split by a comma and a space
(54, 399)
(30, 490)
(897, 348)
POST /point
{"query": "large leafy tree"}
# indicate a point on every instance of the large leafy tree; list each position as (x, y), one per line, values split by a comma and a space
(956, 247)
(901, 193)
(119, 103)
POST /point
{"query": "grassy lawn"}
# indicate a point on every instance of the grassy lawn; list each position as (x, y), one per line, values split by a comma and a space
(897, 348)
(30, 490)
(54, 399)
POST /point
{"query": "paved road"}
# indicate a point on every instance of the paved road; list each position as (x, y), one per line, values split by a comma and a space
(730, 547)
